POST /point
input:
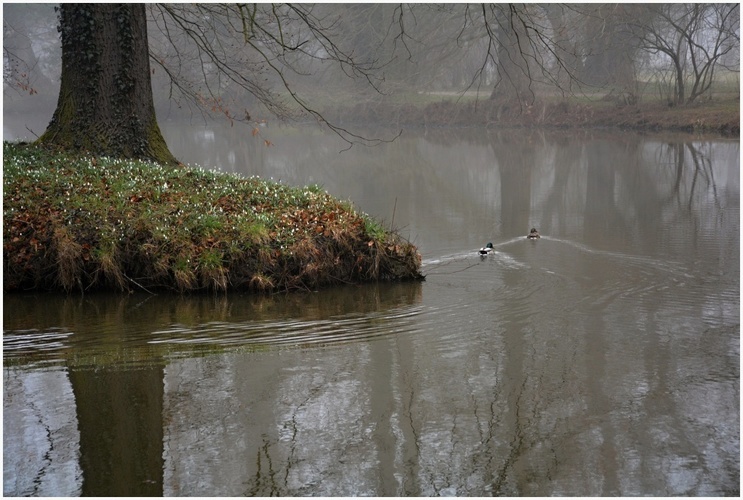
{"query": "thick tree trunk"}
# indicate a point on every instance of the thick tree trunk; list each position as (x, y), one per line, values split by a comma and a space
(105, 99)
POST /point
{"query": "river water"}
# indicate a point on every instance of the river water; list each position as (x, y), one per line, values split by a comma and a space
(601, 359)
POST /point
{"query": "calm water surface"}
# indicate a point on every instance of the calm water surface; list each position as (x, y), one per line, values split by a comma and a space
(602, 359)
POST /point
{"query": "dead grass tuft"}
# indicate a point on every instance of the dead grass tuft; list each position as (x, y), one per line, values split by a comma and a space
(214, 278)
(185, 279)
(110, 266)
(261, 283)
(69, 259)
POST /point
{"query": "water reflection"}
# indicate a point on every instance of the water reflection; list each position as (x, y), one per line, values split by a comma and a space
(40, 435)
(135, 329)
(602, 359)
(114, 356)
(448, 189)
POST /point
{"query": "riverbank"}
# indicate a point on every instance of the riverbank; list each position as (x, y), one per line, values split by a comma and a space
(719, 116)
(81, 223)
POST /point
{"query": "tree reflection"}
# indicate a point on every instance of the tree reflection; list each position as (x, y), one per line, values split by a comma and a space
(119, 414)
(689, 158)
(515, 164)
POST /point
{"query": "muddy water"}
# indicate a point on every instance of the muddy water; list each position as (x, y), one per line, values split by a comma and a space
(601, 359)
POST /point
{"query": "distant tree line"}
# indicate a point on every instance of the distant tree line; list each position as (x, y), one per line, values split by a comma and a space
(247, 61)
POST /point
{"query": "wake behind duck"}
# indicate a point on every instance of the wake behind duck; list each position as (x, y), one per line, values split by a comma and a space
(488, 249)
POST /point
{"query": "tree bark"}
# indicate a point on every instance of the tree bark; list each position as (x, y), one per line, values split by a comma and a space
(105, 101)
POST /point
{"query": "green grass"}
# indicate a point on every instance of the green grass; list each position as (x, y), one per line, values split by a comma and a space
(81, 222)
(374, 229)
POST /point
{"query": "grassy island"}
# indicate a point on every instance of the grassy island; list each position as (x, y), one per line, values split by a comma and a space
(79, 222)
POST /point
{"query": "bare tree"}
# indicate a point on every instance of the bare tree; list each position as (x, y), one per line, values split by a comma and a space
(528, 47)
(18, 56)
(105, 101)
(695, 38)
(607, 48)
(26, 33)
(255, 52)
(513, 50)
(243, 60)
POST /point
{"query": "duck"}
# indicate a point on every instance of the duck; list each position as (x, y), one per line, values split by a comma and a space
(533, 234)
(486, 249)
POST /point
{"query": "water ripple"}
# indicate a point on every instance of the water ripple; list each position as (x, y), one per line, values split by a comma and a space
(354, 327)
(24, 341)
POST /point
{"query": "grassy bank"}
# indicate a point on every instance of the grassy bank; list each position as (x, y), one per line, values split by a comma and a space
(76, 222)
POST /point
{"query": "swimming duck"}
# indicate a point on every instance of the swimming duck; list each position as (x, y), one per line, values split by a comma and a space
(533, 234)
(486, 249)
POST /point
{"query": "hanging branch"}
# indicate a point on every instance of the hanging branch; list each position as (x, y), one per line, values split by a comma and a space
(251, 48)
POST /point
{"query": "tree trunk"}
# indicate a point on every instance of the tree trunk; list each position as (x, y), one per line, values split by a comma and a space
(680, 88)
(105, 101)
(513, 84)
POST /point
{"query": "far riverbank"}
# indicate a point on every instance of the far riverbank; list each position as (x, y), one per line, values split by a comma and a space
(721, 116)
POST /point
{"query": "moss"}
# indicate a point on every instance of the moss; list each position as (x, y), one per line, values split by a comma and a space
(75, 137)
(157, 149)
(81, 222)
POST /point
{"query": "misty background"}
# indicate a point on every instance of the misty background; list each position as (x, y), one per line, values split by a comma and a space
(207, 62)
